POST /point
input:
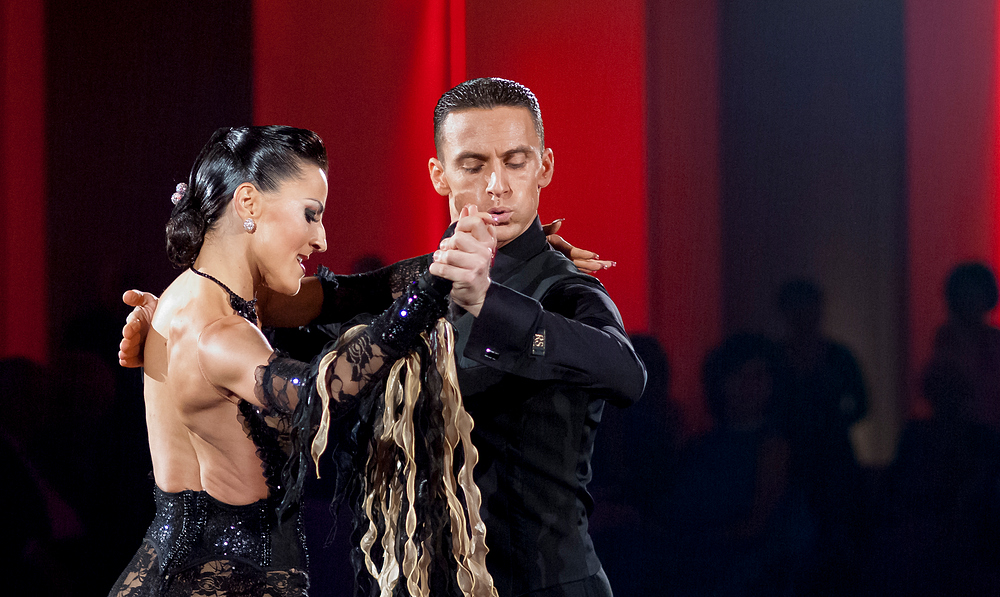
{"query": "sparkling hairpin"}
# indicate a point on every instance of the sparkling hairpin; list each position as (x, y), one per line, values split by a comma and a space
(177, 196)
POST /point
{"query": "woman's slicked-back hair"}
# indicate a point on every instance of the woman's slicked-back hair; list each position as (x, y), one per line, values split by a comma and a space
(486, 94)
(265, 156)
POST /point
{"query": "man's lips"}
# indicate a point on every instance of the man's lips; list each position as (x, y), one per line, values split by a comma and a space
(501, 215)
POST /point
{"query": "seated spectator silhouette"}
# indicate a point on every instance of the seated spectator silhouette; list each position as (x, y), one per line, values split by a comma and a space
(938, 525)
(741, 527)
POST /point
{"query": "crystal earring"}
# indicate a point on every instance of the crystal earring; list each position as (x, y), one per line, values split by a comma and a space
(249, 225)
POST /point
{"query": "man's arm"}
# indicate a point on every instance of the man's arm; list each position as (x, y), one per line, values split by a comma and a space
(575, 336)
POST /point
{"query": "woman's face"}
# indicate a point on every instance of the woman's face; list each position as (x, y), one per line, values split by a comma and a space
(290, 229)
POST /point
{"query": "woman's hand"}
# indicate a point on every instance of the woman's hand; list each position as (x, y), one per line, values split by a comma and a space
(584, 260)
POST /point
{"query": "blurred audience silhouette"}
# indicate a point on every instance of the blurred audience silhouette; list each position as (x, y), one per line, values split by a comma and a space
(826, 397)
(739, 524)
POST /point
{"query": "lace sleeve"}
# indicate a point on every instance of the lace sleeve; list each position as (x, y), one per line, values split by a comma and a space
(280, 382)
(308, 396)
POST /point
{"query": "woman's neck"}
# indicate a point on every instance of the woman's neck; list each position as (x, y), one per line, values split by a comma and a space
(229, 263)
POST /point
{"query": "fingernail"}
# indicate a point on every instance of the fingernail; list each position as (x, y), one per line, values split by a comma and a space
(437, 255)
(613, 263)
(596, 256)
(558, 220)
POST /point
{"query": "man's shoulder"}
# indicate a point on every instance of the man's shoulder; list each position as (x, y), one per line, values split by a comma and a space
(553, 265)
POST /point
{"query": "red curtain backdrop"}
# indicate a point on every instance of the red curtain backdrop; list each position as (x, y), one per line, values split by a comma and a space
(951, 72)
(367, 77)
(587, 65)
(23, 321)
(685, 252)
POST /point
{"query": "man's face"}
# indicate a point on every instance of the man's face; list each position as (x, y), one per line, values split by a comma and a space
(493, 159)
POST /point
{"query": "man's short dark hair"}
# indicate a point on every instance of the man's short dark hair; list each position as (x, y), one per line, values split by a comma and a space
(486, 94)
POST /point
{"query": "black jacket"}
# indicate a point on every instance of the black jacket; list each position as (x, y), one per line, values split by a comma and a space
(535, 367)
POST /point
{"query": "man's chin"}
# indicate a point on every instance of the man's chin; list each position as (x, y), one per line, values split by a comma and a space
(507, 232)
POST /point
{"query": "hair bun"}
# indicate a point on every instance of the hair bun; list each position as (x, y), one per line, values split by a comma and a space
(185, 235)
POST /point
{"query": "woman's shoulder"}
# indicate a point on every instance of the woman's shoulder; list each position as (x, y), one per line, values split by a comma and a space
(186, 308)
(229, 350)
(227, 336)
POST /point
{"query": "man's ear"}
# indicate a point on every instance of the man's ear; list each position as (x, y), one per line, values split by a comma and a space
(247, 201)
(436, 170)
(548, 162)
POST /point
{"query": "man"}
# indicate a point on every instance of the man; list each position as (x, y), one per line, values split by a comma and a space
(540, 346)
(540, 355)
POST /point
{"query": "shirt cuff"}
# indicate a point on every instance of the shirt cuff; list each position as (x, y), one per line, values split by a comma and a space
(505, 328)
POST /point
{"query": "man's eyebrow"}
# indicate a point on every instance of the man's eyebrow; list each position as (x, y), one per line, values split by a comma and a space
(466, 155)
(519, 149)
(471, 155)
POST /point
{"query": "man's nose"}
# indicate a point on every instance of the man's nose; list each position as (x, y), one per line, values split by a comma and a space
(497, 184)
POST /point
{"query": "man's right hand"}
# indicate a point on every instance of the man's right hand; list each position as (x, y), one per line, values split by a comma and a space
(465, 258)
(137, 325)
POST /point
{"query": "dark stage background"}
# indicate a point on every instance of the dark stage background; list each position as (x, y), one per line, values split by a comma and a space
(713, 149)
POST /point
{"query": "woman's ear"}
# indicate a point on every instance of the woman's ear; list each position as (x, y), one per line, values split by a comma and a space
(247, 201)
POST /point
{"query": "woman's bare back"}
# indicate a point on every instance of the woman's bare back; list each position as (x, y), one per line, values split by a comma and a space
(196, 438)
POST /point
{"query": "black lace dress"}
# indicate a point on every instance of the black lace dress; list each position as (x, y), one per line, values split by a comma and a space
(198, 546)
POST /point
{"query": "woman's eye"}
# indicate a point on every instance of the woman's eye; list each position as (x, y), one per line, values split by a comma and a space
(311, 216)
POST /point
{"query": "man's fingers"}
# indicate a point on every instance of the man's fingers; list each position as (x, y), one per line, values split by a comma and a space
(480, 225)
(134, 298)
(136, 325)
(129, 347)
(465, 241)
(462, 265)
(461, 276)
(138, 298)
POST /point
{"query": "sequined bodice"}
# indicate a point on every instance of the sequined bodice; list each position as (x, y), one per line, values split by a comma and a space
(192, 525)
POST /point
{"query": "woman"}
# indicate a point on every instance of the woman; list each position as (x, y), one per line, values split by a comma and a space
(227, 428)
